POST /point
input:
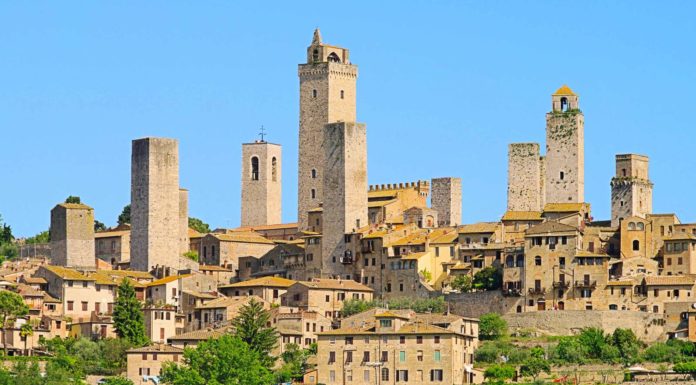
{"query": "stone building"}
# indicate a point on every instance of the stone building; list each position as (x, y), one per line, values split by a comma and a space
(225, 249)
(145, 364)
(525, 178)
(113, 245)
(184, 241)
(155, 209)
(446, 199)
(327, 95)
(72, 236)
(345, 187)
(261, 183)
(565, 149)
(631, 189)
(324, 296)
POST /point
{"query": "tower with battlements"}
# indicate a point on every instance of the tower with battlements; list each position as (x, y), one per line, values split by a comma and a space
(565, 149)
(327, 95)
(155, 206)
(631, 188)
(261, 183)
(446, 199)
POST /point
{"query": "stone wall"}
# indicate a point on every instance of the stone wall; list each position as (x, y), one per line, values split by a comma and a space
(184, 243)
(565, 157)
(261, 189)
(524, 177)
(447, 200)
(631, 189)
(72, 236)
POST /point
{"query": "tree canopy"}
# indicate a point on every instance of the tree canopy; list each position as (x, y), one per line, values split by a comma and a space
(492, 326)
(12, 306)
(125, 216)
(198, 225)
(462, 283)
(488, 278)
(72, 199)
(128, 316)
(251, 327)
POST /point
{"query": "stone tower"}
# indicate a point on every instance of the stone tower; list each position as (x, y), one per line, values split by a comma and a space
(184, 243)
(261, 183)
(345, 185)
(447, 200)
(525, 177)
(327, 95)
(72, 236)
(631, 189)
(565, 149)
(155, 218)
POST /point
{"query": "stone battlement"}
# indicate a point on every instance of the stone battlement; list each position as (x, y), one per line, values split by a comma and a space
(420, 185)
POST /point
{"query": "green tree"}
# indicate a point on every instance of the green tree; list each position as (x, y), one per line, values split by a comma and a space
(355, 306)
(6, 377)
(534, 366)
(113, 354)
(99, 226)
(593, 340)
(198, 225)
(223, 361)
(26, 331)
(251, 327)
(627, 343)
(489, 278)
(5, 233)
(12, 306)
(42, 237)
(570, 350)
(192, 255)
(294, 364)
(25, 374)
(498, 374)
(128, 315)
(64, 369)
(72, 199)
(462, 283)
(117, 381)
(492, 327)
(125, 216)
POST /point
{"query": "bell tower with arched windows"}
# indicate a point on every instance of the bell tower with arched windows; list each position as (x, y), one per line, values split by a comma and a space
(261, 183)
(327, 95)
(565, 149)
(631, 188)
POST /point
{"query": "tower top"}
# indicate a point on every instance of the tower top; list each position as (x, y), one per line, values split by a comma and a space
(564, 99)
(316, 39)
(565, 90)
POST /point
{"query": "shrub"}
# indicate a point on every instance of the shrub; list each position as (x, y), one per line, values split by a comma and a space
(492, 327)
(685, 367)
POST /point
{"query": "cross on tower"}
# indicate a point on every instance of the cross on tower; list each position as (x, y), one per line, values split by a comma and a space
(262, 134)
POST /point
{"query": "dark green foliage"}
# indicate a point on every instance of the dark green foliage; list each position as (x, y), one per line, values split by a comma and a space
(672, 351)
(569, 350)
(489, 278)
(103, 357)
(498, 374)
(192, 255)
(12, 306)
(72, 199)
(294, 364)
(42, 237)
(356, 306)
(223, 361)
(685, 367)
(99, 226)
(534, 367)
(125, 216)
(463, 283)
(117, 381)
(198, 225)
(492, 327)
(26, 374)
(492, 351)
(6, 377)
(128, 316)
(419, 305)
(251, 327)
(627, 345)
(593, 340)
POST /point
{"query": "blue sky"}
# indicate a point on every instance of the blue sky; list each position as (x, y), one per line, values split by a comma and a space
(443, 87)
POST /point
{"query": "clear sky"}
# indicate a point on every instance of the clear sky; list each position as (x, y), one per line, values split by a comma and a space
(444, 86)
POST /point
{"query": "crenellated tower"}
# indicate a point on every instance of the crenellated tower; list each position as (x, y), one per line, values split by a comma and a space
(631, 188)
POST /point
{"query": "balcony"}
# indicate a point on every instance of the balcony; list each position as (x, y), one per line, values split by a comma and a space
(586, 284)
(346, 260)
(513, 292)
(537, 291)
(563, 285)
(367, 248)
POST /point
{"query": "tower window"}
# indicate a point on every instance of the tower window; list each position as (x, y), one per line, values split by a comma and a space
(341, 94)
(334, 58)
(314, 173)
(623, 172)
(313, 194)
(564, 104)
(314, 93)
(636, 245)
(254, 168)
(315, 55)
(274, 169)
(562, 175)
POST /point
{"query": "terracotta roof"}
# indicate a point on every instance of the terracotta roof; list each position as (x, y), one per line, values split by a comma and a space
(564, 90)
(414, 255)
(199, 294)
(478, 228)
(279, 226)
(156, 348)
(49, 299)
(335, 284)
(166, 280)
(461, 266)
(192, 233)
(681, 236)
(129, 273)
(670, 280)
(242, 237)
(382, 194)
(522, 216)
(213, 268)
(224, 302)
(389, 314)
(380, 203)
(445, 235)
(67, 273)
(264, 281)
(549, 228)
(35, 280)
(565, 207)
(419, 327)
(198, 335)
(620, 283)
(584, 253)
(110, 233)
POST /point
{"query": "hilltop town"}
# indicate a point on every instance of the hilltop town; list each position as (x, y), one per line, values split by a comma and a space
(371, 278)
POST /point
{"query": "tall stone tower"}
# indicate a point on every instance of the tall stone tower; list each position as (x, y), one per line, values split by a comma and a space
(565, 149)
(261, 183)
(631, 189)
(155, 219)
(345, 187)
(184, 243)
(72, 236)
(525, 177)
(327, 95)
(447, 200)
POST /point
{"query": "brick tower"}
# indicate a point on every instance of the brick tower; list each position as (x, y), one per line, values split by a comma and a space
(525, 177)
(565, 149)
(631, 189)
(72, 236)
(345, 201)
(261, 183)
(447, 200)
(155, 218)
(327, 95)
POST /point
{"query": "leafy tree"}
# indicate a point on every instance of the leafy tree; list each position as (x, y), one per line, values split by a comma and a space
(88, 355)
(685, 367)
(192, 255)
(355, 306)
(25, 374)
(498, 374)
(492, 327)
(662, 352)
(593, 340)
(72, 199)
(198, 225)
(294, 364)
(117, 381)
(99, 226)
(26, 331)
(125, 216)
(42, 237)
(5, 233)
(227, 360)
(113, 354)
(489, 278)
(6, 377)
(64, 369)
(462, 283)
(570, 350)
(250, 327)
(535, 365)
(128, 315)
(12, 306)
(627, 344)
(8, 251)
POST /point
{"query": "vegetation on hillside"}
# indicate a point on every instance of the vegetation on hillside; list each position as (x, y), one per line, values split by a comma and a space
(419, 305)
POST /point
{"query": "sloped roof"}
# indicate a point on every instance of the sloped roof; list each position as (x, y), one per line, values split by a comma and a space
(242, 237)
(213, 268)
(620, 283)
(549, 228)
(67, 273)
(413, 256)
(565, 207)
(335, 284)
(564, 90)
(198, 335)
(263, 281)
(584, 253)
(224, 302)
(670, 280)
(74, 206)
(681, 236)
(522, 216)
(280, 226)
(478, 228)
(156, 348)
(166, 280)
(389, 314)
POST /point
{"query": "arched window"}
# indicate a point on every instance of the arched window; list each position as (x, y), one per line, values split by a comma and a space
(254, 168)
(519, 309)
(641, 226)
(315, 55)
(334, 58)
(314, 173)
(564, 104)
(636, 245)
(631, 225)
(274, 169)
(537, 260)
